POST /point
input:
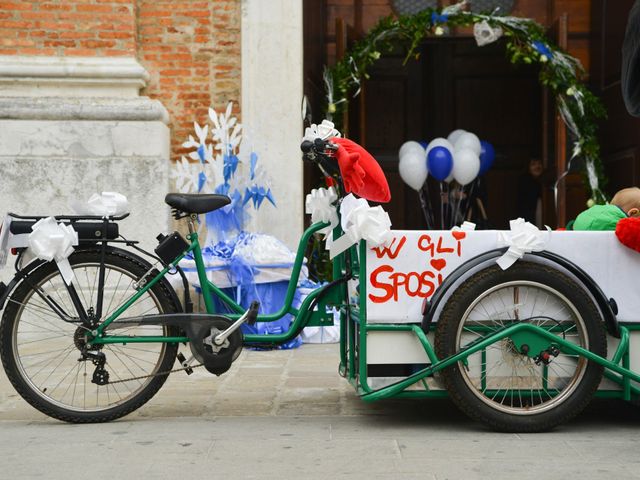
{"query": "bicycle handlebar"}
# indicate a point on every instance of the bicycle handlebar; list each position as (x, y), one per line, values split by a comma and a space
(320, 151)
(317, 147)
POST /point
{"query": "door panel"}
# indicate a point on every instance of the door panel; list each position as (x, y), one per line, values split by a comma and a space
(454, 84)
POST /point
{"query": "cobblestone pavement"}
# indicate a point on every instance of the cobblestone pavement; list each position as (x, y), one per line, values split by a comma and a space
(287, 414)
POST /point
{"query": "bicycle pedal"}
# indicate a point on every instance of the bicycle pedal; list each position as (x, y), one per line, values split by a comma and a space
(253, 312)
(183, 361)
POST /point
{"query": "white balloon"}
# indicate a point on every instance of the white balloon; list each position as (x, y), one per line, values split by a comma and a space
(453, 136)
(468, 141)
(410, 146)
(440, 142)
(466, 165)
(413, 169)
(450, 177)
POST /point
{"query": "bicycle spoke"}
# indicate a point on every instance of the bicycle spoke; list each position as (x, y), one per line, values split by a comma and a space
(501, 374)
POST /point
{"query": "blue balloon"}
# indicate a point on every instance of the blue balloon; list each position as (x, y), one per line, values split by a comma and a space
(439, 163)
(487, 156)
(424, 144)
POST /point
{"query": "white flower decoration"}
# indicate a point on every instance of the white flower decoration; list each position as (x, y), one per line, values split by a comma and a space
(185, 175)
(227, 134)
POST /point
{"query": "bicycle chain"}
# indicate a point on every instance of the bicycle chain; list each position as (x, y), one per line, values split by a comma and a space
(167, 372)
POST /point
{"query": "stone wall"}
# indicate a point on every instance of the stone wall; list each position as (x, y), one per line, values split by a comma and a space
(192, 51)
(191, 48)
(74, 126)
(67, 64)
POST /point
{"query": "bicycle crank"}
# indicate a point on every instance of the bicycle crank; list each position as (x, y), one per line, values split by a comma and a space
(215, 340)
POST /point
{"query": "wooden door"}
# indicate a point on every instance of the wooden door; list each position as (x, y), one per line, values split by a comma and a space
(620, 132)
(554, 143)
(454, 84)
(557, 143)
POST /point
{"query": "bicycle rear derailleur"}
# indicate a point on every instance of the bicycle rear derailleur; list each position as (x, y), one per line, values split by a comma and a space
(100, 374)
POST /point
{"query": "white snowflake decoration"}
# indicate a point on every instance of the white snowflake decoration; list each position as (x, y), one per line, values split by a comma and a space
(185, 175)
(218, 163)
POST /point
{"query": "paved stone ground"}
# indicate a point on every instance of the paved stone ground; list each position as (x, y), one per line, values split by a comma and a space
(287, 414)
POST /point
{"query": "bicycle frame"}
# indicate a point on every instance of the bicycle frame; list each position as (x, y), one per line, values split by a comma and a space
(354, 328)
(301, 314)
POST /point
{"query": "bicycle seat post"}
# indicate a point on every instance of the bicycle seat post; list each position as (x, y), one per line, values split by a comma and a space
(192, 219)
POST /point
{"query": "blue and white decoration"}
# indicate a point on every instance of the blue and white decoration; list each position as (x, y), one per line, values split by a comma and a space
(249, 266)
(226, 165)
(460, 157)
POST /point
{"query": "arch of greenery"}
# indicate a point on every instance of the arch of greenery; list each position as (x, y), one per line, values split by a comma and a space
(525, 42)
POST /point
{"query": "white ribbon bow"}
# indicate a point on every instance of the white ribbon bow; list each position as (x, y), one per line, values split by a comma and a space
(485, 33)
(465, 227)
(50, 240)
(106, 204)
(324, 130)
(524, 237)
(319, 203)
(361, 222)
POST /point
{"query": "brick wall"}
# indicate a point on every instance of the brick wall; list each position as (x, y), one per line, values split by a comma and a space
(191, 48)
(67, 27)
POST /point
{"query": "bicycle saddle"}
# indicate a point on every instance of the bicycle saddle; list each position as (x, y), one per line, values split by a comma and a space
(196, 203)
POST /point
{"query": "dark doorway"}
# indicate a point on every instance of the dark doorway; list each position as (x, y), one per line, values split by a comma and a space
(453, 84)
(619, 132)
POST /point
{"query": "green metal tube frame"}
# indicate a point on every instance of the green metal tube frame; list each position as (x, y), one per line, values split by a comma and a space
(354, 329)
(301, 315)
(620, 374)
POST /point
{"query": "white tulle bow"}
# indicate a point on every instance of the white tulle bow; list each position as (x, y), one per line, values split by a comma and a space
(324, 131)
(319, 203)
(105, 204)
(524, 237)
(361, 222)
(51, 240)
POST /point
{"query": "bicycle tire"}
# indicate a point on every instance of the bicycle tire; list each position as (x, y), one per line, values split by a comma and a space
(503, 388)
(34, 340)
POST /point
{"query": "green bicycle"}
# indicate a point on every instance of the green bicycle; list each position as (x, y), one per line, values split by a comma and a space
(521, 350)
(100, 347)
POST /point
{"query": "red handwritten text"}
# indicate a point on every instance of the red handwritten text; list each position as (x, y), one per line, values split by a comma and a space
(386, 251)
(390, 282)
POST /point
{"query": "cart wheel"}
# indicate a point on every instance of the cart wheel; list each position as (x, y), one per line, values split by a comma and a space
(501, 386)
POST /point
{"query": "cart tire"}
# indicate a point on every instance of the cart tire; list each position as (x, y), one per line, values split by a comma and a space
(545, 396)
(41, 353)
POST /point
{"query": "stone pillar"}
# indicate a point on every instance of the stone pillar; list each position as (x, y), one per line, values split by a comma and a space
(272, 72)
(74, 126)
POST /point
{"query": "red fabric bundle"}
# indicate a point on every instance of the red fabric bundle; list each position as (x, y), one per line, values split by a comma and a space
(360, 172)
(628, 232)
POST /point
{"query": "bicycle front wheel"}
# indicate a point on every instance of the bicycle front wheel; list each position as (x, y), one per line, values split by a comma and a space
(42, 354)
(502, 386)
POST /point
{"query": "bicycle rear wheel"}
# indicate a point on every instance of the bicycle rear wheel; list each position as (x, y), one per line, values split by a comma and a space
(42, 354)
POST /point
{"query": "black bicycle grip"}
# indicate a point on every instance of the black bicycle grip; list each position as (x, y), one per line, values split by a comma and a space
(306, 146)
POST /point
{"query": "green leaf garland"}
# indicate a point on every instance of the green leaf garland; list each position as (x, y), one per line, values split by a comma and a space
(526, 43)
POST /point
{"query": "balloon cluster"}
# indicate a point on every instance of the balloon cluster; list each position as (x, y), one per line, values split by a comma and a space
(462, 157)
